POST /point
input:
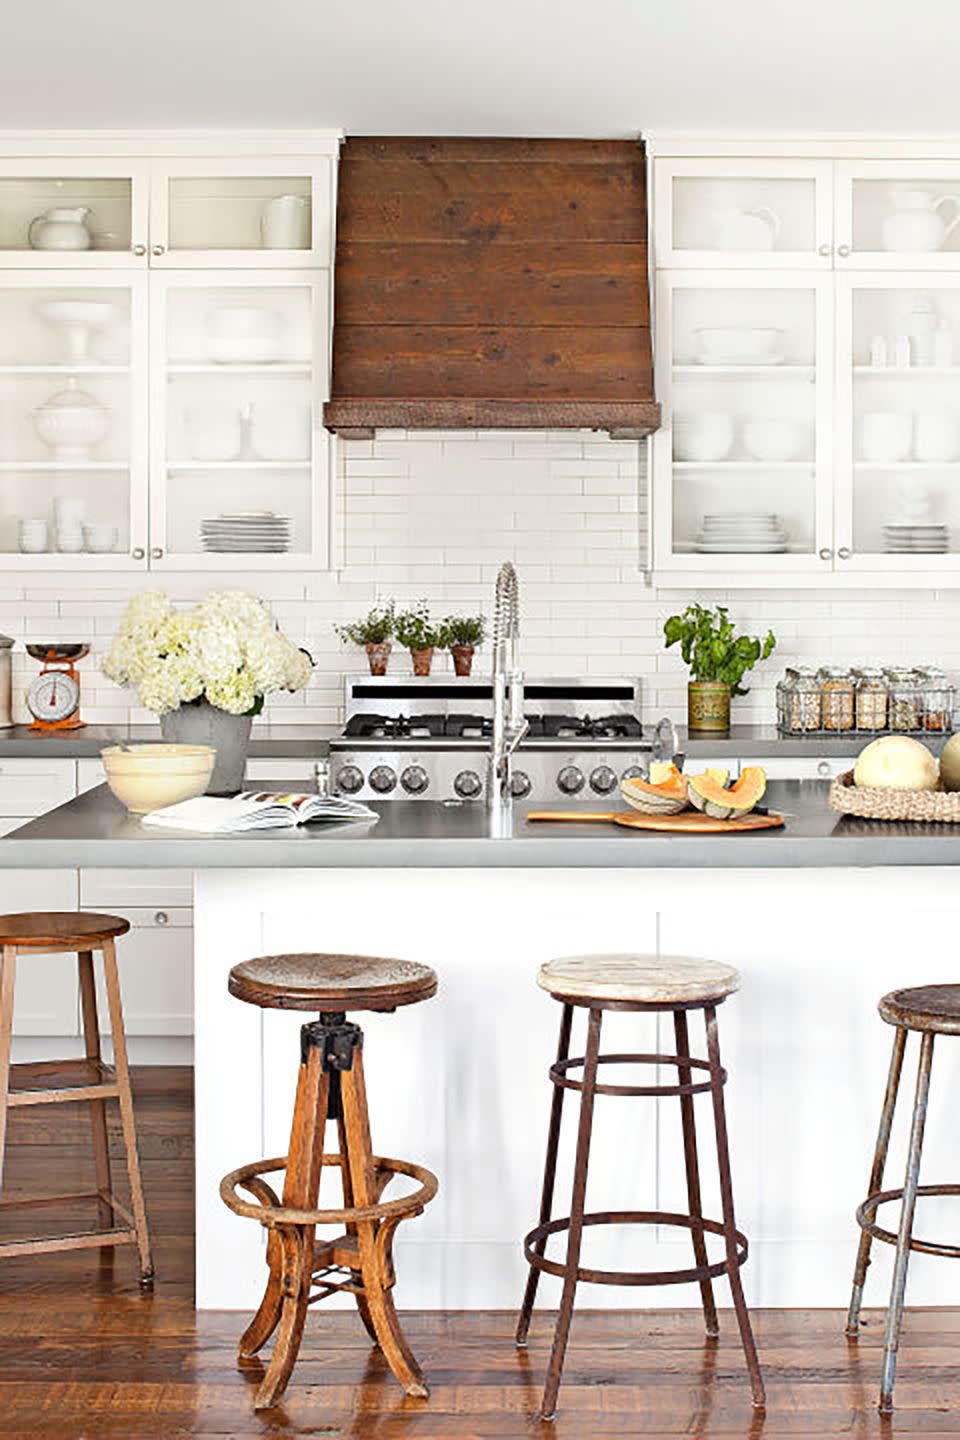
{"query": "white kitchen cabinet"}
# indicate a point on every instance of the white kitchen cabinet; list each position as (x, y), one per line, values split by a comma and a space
(722, 411)
(231, 432)
(734, 229)
(45, 991)
(112, 192)
(272, 212)
(800, 767)
(156, 973)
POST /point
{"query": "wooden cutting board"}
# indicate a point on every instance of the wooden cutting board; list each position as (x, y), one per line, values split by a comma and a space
(690, 822)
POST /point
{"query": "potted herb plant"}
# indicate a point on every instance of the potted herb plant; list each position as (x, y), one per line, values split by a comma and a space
(718, 659)
(417, 633)
(374, 632)
(461, 634)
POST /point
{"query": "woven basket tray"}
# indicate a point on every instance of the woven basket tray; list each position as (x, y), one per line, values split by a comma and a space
(873, 803)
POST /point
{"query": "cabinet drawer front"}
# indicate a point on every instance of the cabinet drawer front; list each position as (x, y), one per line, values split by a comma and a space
(802, 767)
(299, 770)
(156, 974)
(122, 889)
(31, 787)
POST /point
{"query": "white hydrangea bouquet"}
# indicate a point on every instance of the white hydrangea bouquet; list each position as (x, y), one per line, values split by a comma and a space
(226, 650)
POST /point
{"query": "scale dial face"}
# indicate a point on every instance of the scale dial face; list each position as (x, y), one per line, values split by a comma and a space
(53, 695)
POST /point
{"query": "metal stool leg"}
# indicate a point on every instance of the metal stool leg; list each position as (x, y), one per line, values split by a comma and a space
(726, 1194)
(694, 1202)
(876, 1178)
(549, 1178)
(895, 1311)
(575, 1232)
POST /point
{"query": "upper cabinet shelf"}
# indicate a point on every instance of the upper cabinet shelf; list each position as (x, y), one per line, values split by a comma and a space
(775, 214)
(272, 212)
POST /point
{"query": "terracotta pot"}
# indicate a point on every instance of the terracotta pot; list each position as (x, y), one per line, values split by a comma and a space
(708, 707)
(378, 656)
(422, 660)
(462, 659)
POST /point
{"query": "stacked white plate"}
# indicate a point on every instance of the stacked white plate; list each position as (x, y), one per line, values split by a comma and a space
(246, 530)
(741, 534)
(916, 539)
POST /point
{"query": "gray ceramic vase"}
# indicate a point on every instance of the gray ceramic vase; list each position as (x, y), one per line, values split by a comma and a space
(200, 723)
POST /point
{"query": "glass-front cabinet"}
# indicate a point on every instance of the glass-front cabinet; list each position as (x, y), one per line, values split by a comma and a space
(743, 373)
(898, 214)
(745, 213)
(90, 213)
(240, 460)
(73, 420)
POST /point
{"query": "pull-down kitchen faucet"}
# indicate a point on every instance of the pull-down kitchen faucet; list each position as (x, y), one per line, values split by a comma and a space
(509, 725)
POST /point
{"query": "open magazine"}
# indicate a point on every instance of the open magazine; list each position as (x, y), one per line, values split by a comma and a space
(256, 810)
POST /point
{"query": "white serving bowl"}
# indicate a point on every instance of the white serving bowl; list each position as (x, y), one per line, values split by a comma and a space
(740, 345)
(244, 334)
(774, 439)
(704, 436)
(147, 777)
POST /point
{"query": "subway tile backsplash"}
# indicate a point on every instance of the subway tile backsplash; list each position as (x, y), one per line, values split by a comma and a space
(435, 514)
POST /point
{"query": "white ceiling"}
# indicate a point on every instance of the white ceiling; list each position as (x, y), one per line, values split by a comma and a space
(521, 67)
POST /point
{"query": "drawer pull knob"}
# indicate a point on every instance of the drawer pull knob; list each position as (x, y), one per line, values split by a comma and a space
(161, 918)
(824, 767)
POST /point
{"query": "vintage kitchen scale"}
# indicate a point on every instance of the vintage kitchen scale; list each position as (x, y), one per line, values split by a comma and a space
(53, 696)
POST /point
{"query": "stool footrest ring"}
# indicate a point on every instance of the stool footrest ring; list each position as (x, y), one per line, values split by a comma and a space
(540, 1234)
(866, 1219)
(399, 1209)
(559, 1076)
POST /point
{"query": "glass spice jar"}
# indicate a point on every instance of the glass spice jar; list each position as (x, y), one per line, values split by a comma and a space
(936, 699)
(836, 698)
(804, 711)
(905, 706)
(872, 696)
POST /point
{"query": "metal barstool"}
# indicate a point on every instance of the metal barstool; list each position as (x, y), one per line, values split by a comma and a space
(930, 1010)
(636, 983)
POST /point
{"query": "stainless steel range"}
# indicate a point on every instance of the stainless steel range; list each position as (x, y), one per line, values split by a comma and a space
(430, 738)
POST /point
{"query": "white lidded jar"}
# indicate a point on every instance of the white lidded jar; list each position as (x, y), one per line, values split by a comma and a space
(71, 422)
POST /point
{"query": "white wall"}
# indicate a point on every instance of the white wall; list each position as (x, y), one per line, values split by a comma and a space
(434, 515)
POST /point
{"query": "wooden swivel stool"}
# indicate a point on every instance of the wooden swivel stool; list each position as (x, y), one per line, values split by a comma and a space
(637, 983)
(330, 1087)
(88, 1080)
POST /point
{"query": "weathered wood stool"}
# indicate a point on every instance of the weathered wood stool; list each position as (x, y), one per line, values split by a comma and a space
(330, 1087)
(636, 983)
(89, 1080)
(930, 1010)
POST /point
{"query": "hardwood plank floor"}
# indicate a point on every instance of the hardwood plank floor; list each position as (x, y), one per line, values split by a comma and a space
(84, 1355)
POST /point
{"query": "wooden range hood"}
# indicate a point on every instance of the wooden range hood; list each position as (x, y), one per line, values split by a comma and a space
(489, 284)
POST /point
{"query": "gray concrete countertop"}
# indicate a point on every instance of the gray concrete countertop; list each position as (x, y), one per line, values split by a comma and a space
(94, 831)
(279, 742)
(747, 741)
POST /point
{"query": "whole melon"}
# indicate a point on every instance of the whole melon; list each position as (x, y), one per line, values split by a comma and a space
(895, 762)
(950, 764)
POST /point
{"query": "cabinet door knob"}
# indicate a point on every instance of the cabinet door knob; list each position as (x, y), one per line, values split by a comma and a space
(139, 249)
(159, 250)
(826, 554)
(161, 918)
(843, 250)
(138, 552)
(824, 767)
(823, 250)
(843, 553)
(156, 553)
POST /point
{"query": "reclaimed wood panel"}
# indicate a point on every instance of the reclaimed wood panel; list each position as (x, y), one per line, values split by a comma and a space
(471, 284)
(492, 271)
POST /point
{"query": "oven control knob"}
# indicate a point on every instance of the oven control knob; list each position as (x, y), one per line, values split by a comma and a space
(383, 779)
(570, 780)
(603, 780)
(634, 772)
(350, 779)
(519, 784)
(414, 780)
(467, 785)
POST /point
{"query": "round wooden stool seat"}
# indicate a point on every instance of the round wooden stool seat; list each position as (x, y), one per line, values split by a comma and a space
(331, 982)
(72, 929)
(929, 1008)
(638, 979)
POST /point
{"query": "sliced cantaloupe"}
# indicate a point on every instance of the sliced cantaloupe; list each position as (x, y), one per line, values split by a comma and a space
(666, 797)
(661, 771)
(725, 802)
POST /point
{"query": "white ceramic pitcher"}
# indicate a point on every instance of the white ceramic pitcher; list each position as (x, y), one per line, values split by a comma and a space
(284, 223)
(916, 221)
(60, 229)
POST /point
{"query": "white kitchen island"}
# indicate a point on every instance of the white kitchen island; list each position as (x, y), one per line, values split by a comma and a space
(820, 919)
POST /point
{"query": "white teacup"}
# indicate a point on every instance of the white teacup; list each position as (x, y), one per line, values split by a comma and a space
(100, 538)
(69, 541)
(886, 436)
(33, 536)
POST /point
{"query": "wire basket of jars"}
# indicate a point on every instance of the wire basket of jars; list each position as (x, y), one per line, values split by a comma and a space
(868, 700)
